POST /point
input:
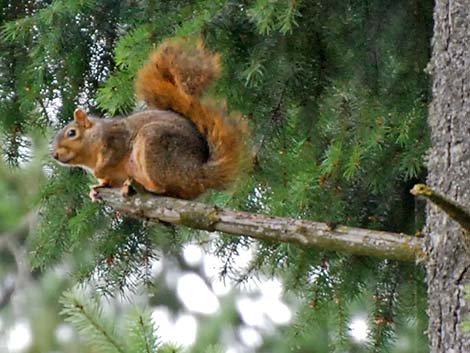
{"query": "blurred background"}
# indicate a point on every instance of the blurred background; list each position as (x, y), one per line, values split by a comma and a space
(336, 95)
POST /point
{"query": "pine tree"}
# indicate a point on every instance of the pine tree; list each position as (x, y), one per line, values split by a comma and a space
(336, 95)
(138, 335)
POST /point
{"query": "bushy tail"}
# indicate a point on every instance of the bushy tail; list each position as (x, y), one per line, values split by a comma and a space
(174, 78)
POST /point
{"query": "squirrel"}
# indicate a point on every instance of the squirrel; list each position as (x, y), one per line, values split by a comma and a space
(180, 147)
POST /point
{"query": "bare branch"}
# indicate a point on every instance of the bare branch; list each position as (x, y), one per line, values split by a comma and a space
(307, 233)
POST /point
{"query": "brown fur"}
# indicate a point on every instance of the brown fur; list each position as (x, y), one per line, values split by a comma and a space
(173, 79)
(180, 149)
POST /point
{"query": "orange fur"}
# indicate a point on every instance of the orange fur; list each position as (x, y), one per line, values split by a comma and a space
(181, 149)
(174, 78)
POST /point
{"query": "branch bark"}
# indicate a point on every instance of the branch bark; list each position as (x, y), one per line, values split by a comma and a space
(197, 215)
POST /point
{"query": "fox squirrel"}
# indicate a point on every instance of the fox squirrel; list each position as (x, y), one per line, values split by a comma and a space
(180, 147)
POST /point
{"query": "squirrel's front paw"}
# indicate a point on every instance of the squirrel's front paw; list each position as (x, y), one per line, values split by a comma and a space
(94, 194)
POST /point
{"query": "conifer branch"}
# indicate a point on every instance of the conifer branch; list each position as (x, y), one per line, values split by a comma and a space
(197, 215)
(142, 333)
(86, 316)
(96, 325)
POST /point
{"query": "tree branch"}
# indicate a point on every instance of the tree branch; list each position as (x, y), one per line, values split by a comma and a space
(197, 215)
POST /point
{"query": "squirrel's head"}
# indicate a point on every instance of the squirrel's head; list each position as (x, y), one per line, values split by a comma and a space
(70, 146)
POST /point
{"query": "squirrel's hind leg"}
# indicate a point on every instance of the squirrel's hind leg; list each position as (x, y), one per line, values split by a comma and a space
(126, 188)
(167, 158)
(137, 168)
(129, 187)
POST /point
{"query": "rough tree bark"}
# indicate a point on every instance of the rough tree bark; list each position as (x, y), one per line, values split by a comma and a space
(306, 233)
(448, 250)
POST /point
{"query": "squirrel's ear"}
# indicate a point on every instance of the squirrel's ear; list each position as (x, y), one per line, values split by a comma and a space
(81, 118)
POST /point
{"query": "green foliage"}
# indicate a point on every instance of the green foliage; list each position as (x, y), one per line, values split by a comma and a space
(117, 95)
(336, 95)
(88, 319)
(142, 333)
(271, 15)
(63, 227)
(86, 315)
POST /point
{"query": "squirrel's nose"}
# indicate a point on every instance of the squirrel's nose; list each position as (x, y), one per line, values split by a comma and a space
(55, 155)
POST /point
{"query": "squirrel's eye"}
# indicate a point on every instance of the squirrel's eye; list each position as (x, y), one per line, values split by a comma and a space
(71, 133)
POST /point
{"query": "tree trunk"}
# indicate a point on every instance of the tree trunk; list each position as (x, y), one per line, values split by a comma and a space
(447, 247)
